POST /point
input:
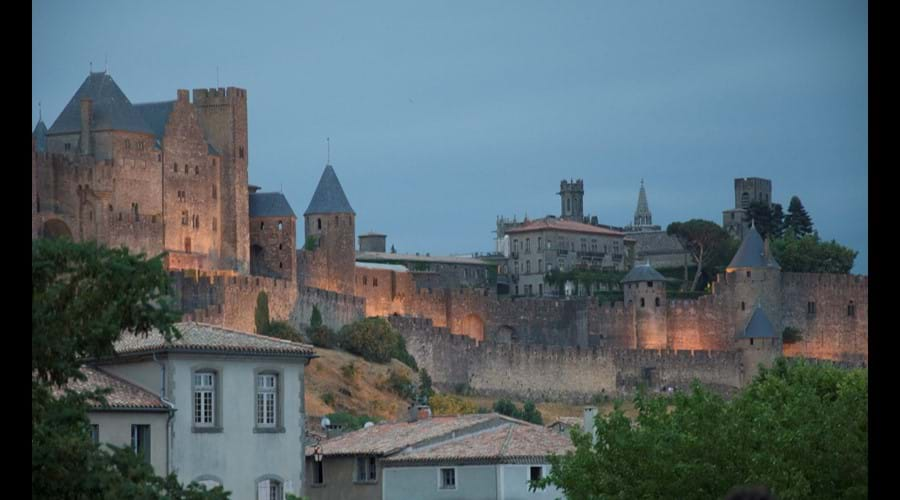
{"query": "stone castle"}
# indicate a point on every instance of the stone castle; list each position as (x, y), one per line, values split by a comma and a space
(173, 177)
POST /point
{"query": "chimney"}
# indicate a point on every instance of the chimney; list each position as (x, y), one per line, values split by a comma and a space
(252, 189)
(87, 108)
(419, 412)
(590, 412)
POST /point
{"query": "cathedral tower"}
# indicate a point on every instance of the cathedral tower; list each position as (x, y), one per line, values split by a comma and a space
(572, 199)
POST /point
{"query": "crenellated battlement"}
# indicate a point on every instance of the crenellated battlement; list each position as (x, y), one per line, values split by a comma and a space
(218, 96)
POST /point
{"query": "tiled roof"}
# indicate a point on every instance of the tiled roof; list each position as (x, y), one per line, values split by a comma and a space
(509, 443)
(123, 396)
(643, 272)
(201, 337)
(329, 197)
(752, 252)
(270, 205)
(388, 267)
(655, 243)
(578, 421)
(111, 109)
(388, 438)
(40, 137)
(758, 326)
(156, 114)
(403, 257)
(562, 225)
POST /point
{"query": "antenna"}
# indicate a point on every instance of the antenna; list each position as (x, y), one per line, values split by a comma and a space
(217, 76)
(106, 63)
(328, 143)
(40, 115)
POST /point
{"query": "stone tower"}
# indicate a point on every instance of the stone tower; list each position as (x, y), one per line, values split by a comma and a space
(645, 296)
(223, 116)
(572, 199)
(331, 233)
(746, 191)
(758, 343)
(755, 279)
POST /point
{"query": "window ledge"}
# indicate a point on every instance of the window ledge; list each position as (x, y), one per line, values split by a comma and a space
(365, 482)
(317, 485)
(206, 430)
(268, 430)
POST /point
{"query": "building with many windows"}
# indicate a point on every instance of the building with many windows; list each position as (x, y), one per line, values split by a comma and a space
(218, 406)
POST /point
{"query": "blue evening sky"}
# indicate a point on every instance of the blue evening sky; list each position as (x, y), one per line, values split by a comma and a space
(444, 115)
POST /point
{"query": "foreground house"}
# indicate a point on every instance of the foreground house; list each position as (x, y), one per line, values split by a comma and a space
(488, 456)
(217, 406)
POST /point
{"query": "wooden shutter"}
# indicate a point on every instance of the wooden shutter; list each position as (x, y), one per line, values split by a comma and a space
(288, 488)
(262, 490)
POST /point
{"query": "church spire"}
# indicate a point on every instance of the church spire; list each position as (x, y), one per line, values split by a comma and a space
(642, 216)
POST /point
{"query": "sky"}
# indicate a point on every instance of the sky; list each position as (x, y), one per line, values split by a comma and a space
(444, 115)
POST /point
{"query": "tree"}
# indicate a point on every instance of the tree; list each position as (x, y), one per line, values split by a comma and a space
(425, 389)
(808, 254)
(262, 312)
(530, 413)
(83, 298)
(765, 218)
(282, 330)
(700, 238)
(778, 221)
(797, 222)
(698, 445)
(375, 340)
(315, 319)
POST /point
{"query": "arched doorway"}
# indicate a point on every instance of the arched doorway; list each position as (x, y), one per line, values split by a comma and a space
(507, 335)
(473, 326)
(55, 228)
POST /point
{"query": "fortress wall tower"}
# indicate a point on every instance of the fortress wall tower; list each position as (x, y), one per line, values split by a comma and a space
(223, 116)
(331, 223)
(645, 297)
(273, 236)
(754, 280)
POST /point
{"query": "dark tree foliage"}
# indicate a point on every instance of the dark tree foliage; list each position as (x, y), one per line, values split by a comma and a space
(261, 315)
(83, 298)
(315, 320)
(425, 385)
(810, 255)
(800, 429)
(528, 413)
(777, 221)
(374, 339)
(765, 218)
(283, 330)
(797, 222)
(701, 239)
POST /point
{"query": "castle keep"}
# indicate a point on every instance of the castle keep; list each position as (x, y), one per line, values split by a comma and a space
(173, 177)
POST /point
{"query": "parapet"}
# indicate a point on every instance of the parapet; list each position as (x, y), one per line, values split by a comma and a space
(218, 96)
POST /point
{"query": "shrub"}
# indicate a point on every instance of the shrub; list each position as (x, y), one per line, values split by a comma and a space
(375, 340)
(450, 404)
(790, 335)
(349, 371)
(261, 315)
(349, 421)
(401, 385)
(312, 242)
(529, 413)
(328, 398)
(282, 330)
(315, 320)
(425, 389)
(322, 337)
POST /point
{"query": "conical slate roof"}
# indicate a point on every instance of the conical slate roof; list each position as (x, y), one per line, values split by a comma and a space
(643, 272)
(40, 137)
(759, 326)
(752, 252)
(270, 205)
(111, 109)
(329, 197)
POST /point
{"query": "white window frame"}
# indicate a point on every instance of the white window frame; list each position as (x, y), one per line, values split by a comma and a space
(204, 399)
(267, 400)
(368, 468)
(440, 476)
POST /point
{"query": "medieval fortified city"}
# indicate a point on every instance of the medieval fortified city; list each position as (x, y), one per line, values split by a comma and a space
(240, 358)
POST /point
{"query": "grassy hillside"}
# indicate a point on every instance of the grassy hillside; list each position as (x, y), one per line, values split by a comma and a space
(331, 387)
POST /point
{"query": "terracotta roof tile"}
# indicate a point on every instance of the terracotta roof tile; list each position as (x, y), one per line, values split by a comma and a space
(210, 338)
(387, 438)
(512, 442)
(552, 223)
(124, 395)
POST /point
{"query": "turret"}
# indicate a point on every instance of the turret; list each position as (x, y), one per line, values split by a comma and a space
(758, 343)
(330, 224)
(756, 279)
(572, 199)
(645, 295)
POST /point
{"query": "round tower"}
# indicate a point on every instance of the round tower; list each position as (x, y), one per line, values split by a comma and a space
(754, 278)
(645, 297)
(330, 234)
(758, 343)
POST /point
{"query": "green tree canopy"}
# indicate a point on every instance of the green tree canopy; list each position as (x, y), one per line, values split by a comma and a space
(808, 254)
(315, 320)
(766, 218)
(799, 428)
(261, 316)
(797, 221)
(83, 298)
(701, 238)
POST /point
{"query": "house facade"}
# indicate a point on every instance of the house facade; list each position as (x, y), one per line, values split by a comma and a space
(233, 401)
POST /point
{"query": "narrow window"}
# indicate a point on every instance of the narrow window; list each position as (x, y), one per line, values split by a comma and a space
(448, 479)
(204, 398)
(373, 474)
(361, 474)
(743, 306)
(68, 146)
(280, 226)
(536, 473)
(642, 302)
(215, 195)
(262, 225)
(649, 284)
(374, 281)
(319, 222)
(851, 309)
(266, 399)
(318, 473)
(186, 167)
(215, 225)
(365, 280)
(140, 441)
(175, 168)
(657, 302)
(95, 433)
(196, 169)
(184, 218)
(241, 152)
(751, 341)
(810, 308)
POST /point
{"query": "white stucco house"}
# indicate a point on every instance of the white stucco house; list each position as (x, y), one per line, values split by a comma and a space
(218, 406)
